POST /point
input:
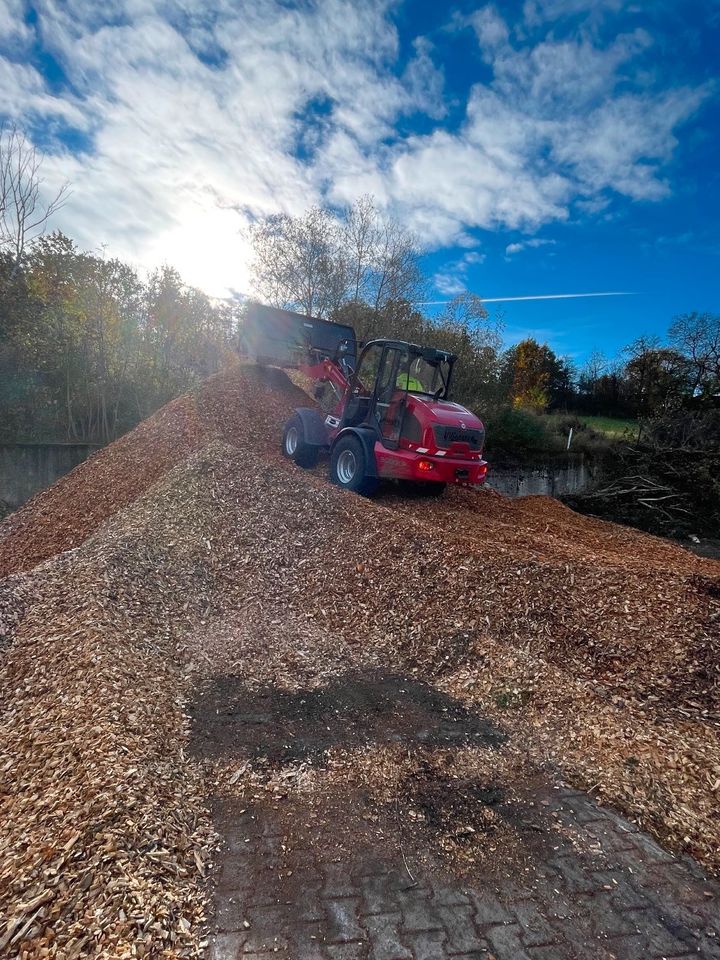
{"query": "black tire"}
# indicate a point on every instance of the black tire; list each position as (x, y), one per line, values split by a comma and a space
(348, 467)
(294, 446)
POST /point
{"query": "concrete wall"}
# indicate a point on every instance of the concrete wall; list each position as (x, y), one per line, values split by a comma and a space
(552, 478)
(26, 468)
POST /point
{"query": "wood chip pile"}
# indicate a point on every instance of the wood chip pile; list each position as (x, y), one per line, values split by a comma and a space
(196, 551)
(62, 517)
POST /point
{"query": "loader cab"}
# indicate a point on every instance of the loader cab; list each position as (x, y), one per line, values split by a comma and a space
(387, 372)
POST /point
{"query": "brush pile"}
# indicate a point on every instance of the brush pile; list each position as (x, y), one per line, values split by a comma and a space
(669, 485)
(191, 549)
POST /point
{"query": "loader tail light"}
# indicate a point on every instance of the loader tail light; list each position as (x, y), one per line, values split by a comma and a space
(482, 471)
(425, 466)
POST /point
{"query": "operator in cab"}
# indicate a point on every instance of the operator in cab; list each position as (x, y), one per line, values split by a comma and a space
(406, 381)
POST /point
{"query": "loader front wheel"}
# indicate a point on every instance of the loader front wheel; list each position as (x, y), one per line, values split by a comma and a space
(349, 468)
(294, 445)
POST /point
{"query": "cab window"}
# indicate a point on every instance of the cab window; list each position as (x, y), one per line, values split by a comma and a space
(391, 394)
(389, 374)
(367, 371)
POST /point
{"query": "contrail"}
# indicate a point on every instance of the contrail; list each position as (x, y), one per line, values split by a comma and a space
(536, 296)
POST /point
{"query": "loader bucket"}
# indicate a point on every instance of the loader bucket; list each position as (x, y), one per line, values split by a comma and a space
(286, 339)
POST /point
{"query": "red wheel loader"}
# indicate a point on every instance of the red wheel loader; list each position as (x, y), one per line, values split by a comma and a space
(386, 412)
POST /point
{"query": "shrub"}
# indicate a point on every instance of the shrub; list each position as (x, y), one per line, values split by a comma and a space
(514, 430)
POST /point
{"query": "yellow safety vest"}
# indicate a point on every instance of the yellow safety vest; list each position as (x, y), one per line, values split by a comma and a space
(406, 382)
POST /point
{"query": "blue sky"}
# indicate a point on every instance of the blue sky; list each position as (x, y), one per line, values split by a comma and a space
(537, 147)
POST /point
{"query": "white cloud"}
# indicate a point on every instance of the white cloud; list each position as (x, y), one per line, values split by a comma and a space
(541, 11)
(448, 284)
(13, 28)
(620, 143)
(425, 80)
(558, 78)
(492, 31)
(174, 134)
(201, 118)
(532, 244)
(452, 280)
(447, 182)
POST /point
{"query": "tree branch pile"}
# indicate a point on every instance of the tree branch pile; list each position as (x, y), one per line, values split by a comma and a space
(661, 487)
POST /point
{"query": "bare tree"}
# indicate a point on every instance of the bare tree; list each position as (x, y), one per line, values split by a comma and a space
(396, 273)
(317, 262)
(361, 236)
(468, 310)
(594, 367)
(697, 336)
(24, 213)
(300, 262)
(383, 256)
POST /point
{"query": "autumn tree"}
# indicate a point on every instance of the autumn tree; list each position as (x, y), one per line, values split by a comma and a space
(397, 319)
(530, 380)
(109, 309)
(51, 342)
(88, 349)
(533, 377)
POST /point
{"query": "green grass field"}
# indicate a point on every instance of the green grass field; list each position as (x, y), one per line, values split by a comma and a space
(611, 426)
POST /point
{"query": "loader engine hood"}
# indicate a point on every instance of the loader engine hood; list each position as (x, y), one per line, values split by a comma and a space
(450, 423)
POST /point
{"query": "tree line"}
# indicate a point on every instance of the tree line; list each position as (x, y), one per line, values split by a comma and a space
(364, 269)
(88, 347)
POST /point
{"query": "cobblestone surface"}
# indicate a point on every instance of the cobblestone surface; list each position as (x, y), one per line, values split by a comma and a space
(623, 897)
(331, 874)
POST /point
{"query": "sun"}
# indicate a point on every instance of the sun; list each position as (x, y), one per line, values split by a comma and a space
(209, 247)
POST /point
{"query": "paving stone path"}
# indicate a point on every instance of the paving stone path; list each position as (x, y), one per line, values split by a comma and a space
(627, 899)
(311, 883)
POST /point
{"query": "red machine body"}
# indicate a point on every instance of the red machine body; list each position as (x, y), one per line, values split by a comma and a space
(424, 455)
(408, 429)
(384, 415)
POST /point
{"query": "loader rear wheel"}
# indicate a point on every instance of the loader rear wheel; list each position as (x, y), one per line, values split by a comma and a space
(294, 446)
(348, 467)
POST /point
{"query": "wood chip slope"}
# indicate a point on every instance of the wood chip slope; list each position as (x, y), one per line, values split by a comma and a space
(597, 645)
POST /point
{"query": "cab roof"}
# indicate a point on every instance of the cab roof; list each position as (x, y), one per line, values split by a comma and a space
(430, 354)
